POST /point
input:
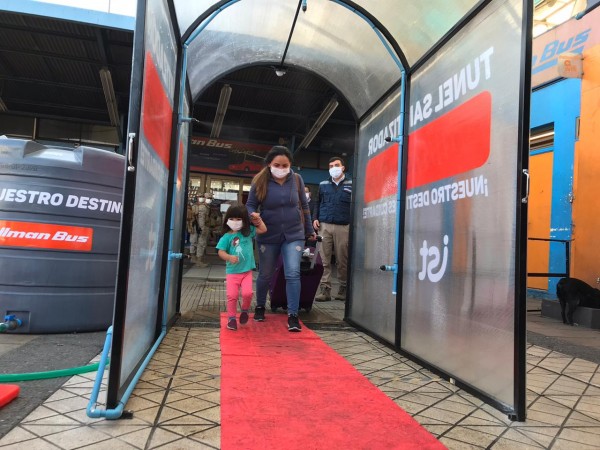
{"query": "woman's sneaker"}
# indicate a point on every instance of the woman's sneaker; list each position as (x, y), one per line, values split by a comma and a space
(259, 314)
(294, 323)
(244, 317)
(232, 324)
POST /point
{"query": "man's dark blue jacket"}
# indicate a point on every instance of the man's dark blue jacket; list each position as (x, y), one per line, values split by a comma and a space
(334, 202)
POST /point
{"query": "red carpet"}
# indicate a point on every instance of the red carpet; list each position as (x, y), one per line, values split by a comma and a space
(8, 392)
(282, 390)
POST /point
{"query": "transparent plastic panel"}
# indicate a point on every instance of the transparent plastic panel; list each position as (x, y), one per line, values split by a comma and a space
(152, 173)
(458, 299)
(373, 306)
(248, 32)
(187, 11)
(416, 24)
(345, 51)
(343, 48)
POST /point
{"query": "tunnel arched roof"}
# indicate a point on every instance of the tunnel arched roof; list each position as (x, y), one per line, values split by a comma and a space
(331, 38)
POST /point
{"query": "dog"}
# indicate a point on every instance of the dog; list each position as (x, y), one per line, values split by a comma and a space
(571, 293)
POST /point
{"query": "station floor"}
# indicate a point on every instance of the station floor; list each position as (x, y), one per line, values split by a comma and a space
(176, 404)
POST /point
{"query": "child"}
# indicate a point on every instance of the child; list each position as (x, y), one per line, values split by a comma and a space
(235, 247)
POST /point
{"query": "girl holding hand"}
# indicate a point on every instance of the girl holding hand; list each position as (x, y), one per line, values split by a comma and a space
(235, 247)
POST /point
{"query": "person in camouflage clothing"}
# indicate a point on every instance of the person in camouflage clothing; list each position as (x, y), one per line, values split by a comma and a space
(192, 224)
(204, 230)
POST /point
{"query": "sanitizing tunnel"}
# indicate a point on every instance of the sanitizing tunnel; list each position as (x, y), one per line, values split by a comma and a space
(440, 89)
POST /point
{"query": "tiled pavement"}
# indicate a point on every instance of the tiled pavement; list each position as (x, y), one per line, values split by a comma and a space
(176, 403)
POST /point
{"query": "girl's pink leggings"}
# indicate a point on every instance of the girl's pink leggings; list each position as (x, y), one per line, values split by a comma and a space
(235, 281)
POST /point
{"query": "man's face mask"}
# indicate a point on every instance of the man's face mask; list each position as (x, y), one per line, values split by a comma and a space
(335, 172)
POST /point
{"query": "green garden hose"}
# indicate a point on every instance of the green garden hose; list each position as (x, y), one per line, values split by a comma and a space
(11, 377)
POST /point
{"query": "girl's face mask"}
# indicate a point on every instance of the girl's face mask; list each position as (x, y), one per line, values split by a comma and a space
(235, 224)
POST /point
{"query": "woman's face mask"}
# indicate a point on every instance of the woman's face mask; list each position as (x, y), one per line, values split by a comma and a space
(307, 196)
(280, 172)
(235, 224)
(208, 201)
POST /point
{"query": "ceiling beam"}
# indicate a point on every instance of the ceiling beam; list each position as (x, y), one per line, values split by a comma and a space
(47, 55)
(273, 113)
(204, 128)
(101, 39)
(70, 108)
(65, 35)
(253, 110)
(33, 31)
(70, 86)
(62, 118)
(263, 87)
(273, 132)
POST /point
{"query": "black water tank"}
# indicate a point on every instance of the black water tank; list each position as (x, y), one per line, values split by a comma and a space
(60, 213)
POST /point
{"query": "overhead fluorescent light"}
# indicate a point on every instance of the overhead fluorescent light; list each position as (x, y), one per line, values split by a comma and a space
(3, 107)
(221, 110)
(109, 95)
(321, 120)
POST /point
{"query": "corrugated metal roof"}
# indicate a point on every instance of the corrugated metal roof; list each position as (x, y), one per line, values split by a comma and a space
(50, 67)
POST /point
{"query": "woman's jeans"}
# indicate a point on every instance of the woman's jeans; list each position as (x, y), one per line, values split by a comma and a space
(267, 257)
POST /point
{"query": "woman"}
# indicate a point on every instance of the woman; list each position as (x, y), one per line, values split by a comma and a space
(278, 193)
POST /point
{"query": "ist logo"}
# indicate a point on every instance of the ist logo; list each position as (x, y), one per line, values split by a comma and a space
(431, 267)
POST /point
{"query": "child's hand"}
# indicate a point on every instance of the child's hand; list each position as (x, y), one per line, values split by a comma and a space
(233, 259)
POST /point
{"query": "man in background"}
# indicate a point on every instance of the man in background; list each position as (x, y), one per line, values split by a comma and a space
(331, 219)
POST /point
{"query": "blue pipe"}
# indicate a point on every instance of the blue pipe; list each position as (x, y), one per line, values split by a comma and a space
(90, 410)
(399, 139)
(116, 413)
(11, 322)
